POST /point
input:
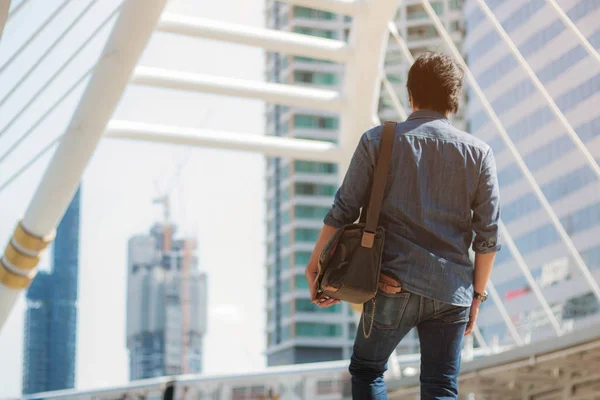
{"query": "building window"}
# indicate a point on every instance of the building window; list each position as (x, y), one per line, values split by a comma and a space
(285, 217)
(315, 167)
(285, 240)
(286, 309)
(286, 285)
(309, 13)
(316, 78)
(352, 331)
(286, 333)
(307, 329)
(415, 12)
(324, 33)
(285, 263)
(300, 282)
(301, 258)
(421, 32)
(438, 7)
(306, 235)
(306, 306)
(311, 212)
(314, 189)
(315, 122)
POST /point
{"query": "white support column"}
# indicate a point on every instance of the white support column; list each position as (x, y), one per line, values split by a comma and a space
(63, 175)
(571, 25)
(361, 90)
(368, 40)
(3, 15)
(310, 150)
(268, 39)
(566, 239)
(277, 93)
(589, 158)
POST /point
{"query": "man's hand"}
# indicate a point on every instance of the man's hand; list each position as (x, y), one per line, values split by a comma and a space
(321, 301)
(473, 313)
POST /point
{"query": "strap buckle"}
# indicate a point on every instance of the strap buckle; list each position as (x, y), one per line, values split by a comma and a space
(368, 239)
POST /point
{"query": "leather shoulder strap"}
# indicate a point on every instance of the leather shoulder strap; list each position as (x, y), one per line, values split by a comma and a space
(379, 182)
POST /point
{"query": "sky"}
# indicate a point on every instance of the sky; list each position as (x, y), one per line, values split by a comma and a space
(219, 197)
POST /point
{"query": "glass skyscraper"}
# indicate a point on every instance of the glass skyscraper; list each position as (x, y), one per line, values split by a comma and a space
(51, 320)
(572, 78)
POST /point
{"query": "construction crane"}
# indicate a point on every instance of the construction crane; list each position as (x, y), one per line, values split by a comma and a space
(164, 200)
(188, 247)
(185, 273)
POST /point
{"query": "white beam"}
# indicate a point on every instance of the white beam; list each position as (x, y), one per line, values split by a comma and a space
(580, 36)
(346, 7)
(272, 146)
(566, 239)
(401, 43)
(268, 39)
(394, 97)
(514, 250)
(270, 92)
(98, 102)
(3, 15)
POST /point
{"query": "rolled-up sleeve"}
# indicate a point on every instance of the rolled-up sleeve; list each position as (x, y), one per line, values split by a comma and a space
(352, 194)
(486, 208)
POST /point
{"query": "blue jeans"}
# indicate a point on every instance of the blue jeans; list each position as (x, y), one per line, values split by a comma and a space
(441, 329)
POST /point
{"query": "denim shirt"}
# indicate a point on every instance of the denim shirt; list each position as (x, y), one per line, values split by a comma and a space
(441, 197)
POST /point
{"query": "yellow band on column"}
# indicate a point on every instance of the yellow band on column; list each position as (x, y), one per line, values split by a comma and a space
(29, 241)
(20, 260)
(12, 280)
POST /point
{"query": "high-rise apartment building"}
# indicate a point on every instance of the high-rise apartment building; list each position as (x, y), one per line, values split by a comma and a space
(51, 320)
(572, 78)
(299, 193)
(166, 305)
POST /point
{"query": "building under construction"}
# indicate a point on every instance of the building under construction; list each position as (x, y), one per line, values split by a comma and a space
(166, 305)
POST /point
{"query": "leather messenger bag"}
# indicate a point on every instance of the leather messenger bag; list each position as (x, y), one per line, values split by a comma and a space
(350, 263)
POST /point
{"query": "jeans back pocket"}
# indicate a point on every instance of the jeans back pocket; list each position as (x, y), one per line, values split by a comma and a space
(388, 309)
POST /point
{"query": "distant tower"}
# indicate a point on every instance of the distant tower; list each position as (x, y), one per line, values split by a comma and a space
(166, 305)
(51, 320)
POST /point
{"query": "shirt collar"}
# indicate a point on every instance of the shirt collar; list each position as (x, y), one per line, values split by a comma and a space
(426, 114)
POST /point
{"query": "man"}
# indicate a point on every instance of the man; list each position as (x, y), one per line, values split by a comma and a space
(442, 187)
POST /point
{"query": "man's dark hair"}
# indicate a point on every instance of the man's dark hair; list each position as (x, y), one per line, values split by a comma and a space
(435, 82)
